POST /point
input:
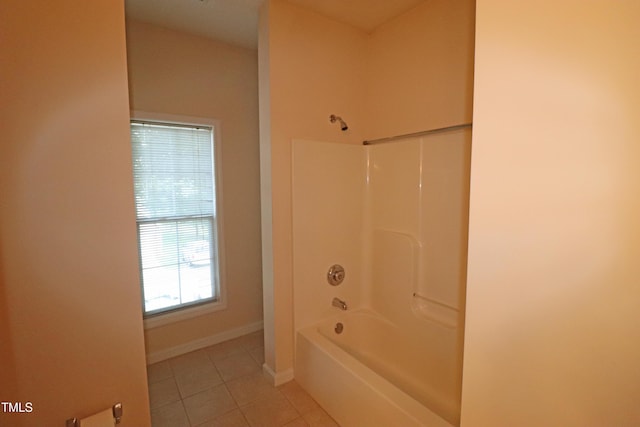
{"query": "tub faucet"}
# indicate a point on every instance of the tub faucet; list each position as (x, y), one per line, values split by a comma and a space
(337, 302)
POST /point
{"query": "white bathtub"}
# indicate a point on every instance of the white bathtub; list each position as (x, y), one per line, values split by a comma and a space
(372, 374)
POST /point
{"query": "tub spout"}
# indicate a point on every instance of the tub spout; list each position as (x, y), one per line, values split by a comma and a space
(337, 302)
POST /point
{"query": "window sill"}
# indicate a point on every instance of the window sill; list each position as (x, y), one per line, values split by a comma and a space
(183, 314)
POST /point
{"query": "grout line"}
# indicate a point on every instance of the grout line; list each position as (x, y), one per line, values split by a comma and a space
(244, 349)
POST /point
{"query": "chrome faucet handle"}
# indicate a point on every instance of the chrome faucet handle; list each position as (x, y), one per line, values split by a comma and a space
(335, 275)
(337, 302)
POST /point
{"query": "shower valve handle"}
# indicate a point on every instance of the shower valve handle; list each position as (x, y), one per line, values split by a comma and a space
(335, 275)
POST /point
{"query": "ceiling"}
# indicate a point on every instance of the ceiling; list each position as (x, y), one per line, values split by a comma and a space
(236, 21)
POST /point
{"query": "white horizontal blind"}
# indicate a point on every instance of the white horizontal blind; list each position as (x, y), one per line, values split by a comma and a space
(173, 170)
(174, 185)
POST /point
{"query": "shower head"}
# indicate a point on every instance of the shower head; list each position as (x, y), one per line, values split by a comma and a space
(333, 118)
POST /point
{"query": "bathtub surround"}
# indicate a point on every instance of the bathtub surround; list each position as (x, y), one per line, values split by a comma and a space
(328, 227)
(395, 216)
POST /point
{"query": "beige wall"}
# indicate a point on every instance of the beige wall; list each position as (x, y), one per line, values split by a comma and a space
(175, 73)
(70, 295)
(266, 216)
(315, 67)
(420, 69)
(328, 197)
(552, 333)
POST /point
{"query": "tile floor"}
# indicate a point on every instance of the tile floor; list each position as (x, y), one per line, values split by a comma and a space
(223, 386)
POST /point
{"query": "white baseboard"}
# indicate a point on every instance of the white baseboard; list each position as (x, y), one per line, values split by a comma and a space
(178, 350)
(277, 378)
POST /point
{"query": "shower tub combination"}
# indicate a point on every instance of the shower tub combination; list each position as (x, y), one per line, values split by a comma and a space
(394, 215)
(366, 372)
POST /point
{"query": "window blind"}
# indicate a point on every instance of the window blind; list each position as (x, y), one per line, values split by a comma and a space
(173, 171)
(174, 186)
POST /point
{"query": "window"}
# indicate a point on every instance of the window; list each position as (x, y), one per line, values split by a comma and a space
(175, 192)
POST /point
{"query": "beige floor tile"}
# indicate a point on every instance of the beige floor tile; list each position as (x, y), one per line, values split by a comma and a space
(192, 382)
(271, 412)
(223, 386)
(209, 404)
(298, 422)
(232, 419)
(250, 388)
(159, 371)
(319, 418)
(237, 366)
(257, 354)
(299, 398)
(253, 340)
(225, 349)
(170, 415)
(163, 392)
(190, 362)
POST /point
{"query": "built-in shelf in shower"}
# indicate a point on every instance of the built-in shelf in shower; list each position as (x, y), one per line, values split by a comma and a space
(434, 310)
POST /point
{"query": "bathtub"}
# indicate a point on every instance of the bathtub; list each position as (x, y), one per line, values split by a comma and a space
(372, 374)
